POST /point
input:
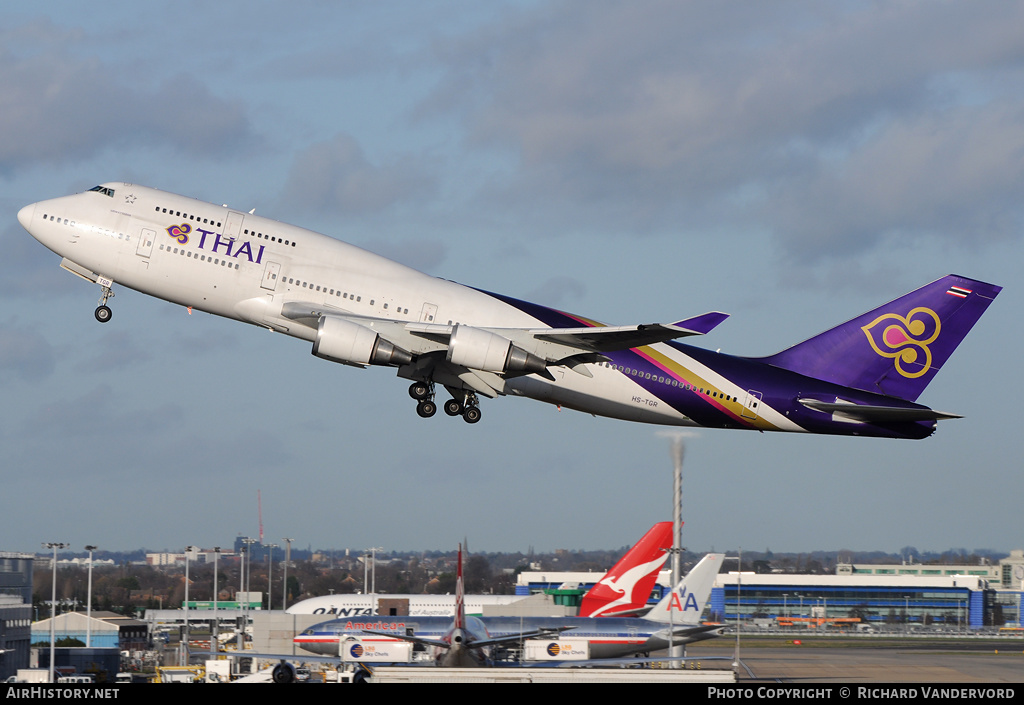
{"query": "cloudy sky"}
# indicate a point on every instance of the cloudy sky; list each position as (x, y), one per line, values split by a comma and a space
(794, 164)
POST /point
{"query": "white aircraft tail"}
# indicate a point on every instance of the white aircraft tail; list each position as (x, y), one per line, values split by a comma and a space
(686, 603)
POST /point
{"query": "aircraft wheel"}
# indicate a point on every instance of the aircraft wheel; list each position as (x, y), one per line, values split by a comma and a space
(453, 407)
(471, 414)
(426, 409)
(103, 314)
(419, 390)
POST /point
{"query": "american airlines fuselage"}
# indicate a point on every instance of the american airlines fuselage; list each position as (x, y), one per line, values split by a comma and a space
(360, 308)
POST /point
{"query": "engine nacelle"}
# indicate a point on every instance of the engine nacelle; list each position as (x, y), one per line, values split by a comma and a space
(341, 340)
(283, 672)
(482, 350)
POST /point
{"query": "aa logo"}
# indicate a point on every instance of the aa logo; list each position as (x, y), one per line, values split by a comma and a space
(689, 602)
(905, 339)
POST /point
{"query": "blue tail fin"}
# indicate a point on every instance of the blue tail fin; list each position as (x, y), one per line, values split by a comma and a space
(897, 348)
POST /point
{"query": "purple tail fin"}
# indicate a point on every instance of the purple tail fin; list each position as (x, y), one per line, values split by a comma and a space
(897, 348)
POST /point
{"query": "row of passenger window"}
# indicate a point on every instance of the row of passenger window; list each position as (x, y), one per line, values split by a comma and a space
(92, 228)
(196, 218)
(671, 381)
(200, 257)
(272, 238)
(179, 214)
(338, 293)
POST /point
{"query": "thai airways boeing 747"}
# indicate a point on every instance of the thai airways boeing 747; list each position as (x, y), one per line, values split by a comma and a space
(357, 308)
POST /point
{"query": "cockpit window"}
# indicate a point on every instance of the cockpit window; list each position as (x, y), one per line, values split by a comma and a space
(104, 190)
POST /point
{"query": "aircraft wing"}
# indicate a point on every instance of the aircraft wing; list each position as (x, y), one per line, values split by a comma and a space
(409, 637)
(551, 345)
(476, 643)
(513, 638)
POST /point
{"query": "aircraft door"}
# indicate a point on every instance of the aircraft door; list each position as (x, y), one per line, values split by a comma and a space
(428, 313)
(750, 404)
(270, 275)
(146, 239)
(233, 224)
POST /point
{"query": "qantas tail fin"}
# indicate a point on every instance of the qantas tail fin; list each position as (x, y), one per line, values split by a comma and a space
(898, 348)
(625, 588)
(685, 604)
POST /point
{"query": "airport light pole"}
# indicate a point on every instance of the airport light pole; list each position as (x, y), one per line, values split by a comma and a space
(53, 604)
(739, 584)
(243, 550)
(248, 541)
(216, 602)
(183, 661)
(88, 602)
(678, 453)
(270, 574)
(287, 560)
(906, 614)
(373, 572)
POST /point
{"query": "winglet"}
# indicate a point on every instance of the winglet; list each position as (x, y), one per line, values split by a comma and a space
(702, 324)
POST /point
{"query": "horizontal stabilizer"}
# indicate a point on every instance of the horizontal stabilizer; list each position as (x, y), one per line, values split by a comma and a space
(878, 414)
(689, 631)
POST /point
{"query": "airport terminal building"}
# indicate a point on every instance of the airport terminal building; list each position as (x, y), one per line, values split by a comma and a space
(948, 597)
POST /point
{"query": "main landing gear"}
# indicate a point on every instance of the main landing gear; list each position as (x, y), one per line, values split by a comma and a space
(103, 312)
(423, 392)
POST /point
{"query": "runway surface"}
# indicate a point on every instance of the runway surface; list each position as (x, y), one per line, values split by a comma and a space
(855, 661)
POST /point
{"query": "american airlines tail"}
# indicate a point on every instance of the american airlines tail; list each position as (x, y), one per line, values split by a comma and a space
(686, 603)
(898, 348)
(625, 588)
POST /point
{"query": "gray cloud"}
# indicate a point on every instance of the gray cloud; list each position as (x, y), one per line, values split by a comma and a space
(115, 350)
(61, 108)
(424, 255)
(558, 291)
(84, 416)
(335, 176)
(25, 354)
(655, 112)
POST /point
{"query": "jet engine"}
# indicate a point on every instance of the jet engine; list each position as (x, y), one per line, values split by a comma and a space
(479, 349)
(341, 340)
(283, 672)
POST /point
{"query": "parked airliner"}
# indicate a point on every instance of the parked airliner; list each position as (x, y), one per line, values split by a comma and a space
(623, 590)
(674, 620)
(359, 309)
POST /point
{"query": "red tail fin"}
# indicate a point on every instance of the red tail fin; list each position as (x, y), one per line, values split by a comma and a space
(460, 596)
(626, 587)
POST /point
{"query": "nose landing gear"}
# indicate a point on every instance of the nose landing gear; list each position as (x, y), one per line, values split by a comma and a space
(103, 312)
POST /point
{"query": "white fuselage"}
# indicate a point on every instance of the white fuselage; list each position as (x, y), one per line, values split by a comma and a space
(247, 268)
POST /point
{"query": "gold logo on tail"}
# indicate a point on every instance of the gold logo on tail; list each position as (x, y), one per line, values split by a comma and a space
(905, 339)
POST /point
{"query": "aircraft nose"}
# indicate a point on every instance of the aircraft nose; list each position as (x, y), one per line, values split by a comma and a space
(25, 215)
